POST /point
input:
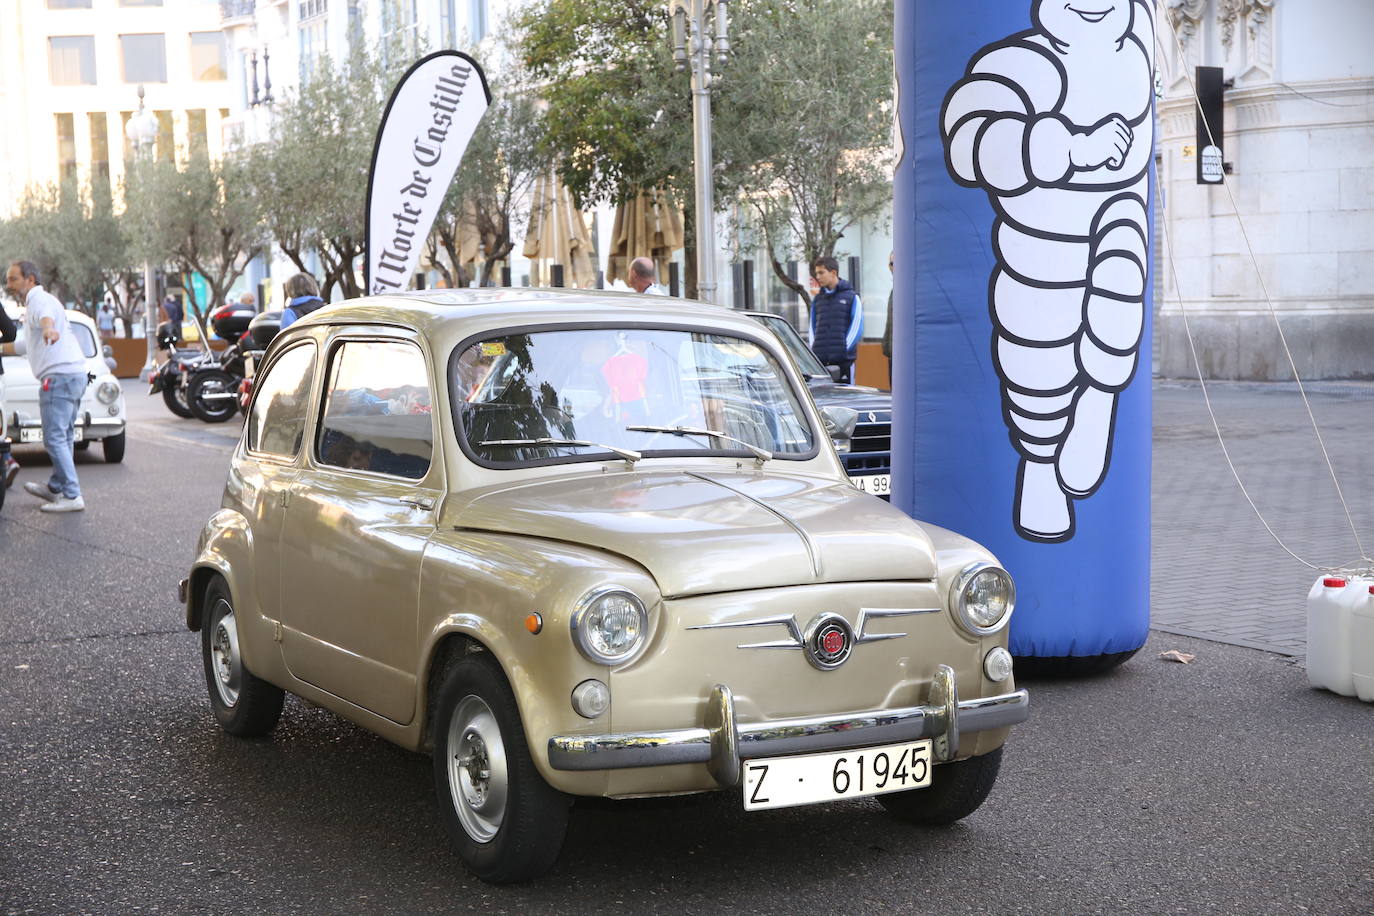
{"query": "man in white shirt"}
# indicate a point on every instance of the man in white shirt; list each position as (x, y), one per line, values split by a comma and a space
(60, 367)
(643, 275)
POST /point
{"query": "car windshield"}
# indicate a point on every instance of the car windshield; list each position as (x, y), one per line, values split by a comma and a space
(806, 360)
(83, 336)
(587, 389)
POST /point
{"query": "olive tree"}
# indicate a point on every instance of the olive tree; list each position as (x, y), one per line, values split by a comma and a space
(200, 217)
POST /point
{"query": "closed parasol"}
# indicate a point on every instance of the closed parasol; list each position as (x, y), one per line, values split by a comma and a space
(558, 235)
(648, 225)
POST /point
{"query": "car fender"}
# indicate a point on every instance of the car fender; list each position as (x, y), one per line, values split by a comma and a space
(482, 586)
(225, 545)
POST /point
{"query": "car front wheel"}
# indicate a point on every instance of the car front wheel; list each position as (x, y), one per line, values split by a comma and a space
(955, 791)
(114, 448)
(244, 705)
(506, 821)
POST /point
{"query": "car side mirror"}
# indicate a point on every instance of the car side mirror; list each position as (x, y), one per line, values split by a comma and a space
(836, 373)
(839, 421)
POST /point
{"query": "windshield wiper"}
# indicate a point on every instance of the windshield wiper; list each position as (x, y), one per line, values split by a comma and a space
(760, 453)
(628, 454)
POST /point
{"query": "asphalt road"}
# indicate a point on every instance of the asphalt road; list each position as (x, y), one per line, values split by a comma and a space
(1221, 786)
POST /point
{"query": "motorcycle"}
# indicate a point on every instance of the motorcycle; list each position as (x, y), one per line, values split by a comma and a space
(170, 378)
(213, 389)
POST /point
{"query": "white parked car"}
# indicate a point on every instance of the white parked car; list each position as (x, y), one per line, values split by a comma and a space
(102, 415)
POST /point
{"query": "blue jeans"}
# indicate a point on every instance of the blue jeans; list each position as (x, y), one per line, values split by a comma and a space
(59, 404)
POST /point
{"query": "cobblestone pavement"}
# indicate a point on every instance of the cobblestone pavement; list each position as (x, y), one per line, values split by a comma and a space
(1216, 573)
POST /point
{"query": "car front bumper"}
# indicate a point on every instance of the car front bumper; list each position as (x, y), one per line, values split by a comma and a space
(722, 743)
(30, 431)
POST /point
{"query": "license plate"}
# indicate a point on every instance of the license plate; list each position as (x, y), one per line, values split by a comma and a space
(34, 434)
(877, 484)
(779, 782)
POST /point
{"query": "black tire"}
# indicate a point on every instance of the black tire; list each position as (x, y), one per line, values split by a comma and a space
(504, 832)
(175, 399)
(113, 447)
(244, 704)
(212, 381)
(955, 791)
(81, 446)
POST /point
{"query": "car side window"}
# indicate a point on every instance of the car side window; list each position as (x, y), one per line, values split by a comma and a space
(377, 410)
(277, 422)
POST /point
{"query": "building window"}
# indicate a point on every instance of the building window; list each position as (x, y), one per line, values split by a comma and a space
(399, 27)
(144, 58)
(66, 145)
(448, 25)
(477, 19)
(100, 144)
(166, 137)
(314, 21)
(355, 26)
(71, 60)
(209, 56)
(197, 136)
(69, 4)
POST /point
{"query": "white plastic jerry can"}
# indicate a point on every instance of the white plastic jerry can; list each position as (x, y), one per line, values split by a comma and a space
(1328, 635)
(1362, 643)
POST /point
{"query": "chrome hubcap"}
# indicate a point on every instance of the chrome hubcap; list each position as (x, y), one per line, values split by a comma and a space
(225, 663)
(478, 779)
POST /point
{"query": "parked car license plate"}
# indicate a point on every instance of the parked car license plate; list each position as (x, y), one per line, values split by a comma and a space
(34, 434)
(877, 484)
(779, 782)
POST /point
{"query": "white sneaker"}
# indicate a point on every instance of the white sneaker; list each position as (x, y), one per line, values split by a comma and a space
(41, 491)
(63, 504)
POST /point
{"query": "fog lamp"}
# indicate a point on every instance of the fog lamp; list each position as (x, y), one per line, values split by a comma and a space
(591, 698)
(997, 664)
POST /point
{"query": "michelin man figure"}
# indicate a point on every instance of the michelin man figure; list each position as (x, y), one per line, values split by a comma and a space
(1056, 124)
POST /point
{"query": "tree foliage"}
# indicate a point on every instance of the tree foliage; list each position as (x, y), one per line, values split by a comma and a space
(811, 123)
(619, 116)
(802, 111)
(313, 174)
(488, 203)
(201, 217)
(78, 243)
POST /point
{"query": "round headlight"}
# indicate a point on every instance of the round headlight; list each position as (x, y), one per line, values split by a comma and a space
(609, 625)
(982, 598)
(107, 392)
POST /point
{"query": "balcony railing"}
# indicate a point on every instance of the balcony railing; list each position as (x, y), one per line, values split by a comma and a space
(236, 9)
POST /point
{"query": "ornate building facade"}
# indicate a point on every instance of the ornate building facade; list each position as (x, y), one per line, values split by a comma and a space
(1299, 149)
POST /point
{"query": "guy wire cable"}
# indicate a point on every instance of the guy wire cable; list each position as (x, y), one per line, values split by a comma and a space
(1269, 302)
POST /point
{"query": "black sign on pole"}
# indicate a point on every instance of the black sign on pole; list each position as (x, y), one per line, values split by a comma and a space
(1211, 156)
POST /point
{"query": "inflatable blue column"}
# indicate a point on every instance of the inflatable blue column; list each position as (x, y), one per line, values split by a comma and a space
(1022, 362)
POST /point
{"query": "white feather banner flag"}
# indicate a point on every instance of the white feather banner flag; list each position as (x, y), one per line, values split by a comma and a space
(425, 129)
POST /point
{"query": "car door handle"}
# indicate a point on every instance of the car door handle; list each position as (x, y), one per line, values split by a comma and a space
(419, 502)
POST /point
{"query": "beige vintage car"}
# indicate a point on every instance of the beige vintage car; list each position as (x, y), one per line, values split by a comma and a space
(598, 544)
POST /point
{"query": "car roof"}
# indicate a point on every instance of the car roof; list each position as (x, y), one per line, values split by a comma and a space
(458, 312)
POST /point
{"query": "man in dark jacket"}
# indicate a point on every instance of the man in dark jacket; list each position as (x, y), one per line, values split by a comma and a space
(837, 318)
(9, 468)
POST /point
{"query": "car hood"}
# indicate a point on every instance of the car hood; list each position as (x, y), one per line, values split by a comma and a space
(711, 531)
(856, 397)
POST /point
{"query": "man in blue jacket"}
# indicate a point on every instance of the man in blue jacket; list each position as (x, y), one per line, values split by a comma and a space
(837, 318)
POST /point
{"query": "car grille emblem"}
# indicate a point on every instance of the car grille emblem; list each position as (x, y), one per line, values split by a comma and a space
(872, 417)
(828, 639)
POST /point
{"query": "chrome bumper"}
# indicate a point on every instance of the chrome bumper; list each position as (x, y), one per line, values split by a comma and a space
(723, 742)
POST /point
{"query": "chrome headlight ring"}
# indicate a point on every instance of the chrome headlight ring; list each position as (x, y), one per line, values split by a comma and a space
(107, 392)
(610, 625)
(995, 586)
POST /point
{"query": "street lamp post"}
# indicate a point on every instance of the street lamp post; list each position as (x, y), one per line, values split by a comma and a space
(693, 44)
(142, 133)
